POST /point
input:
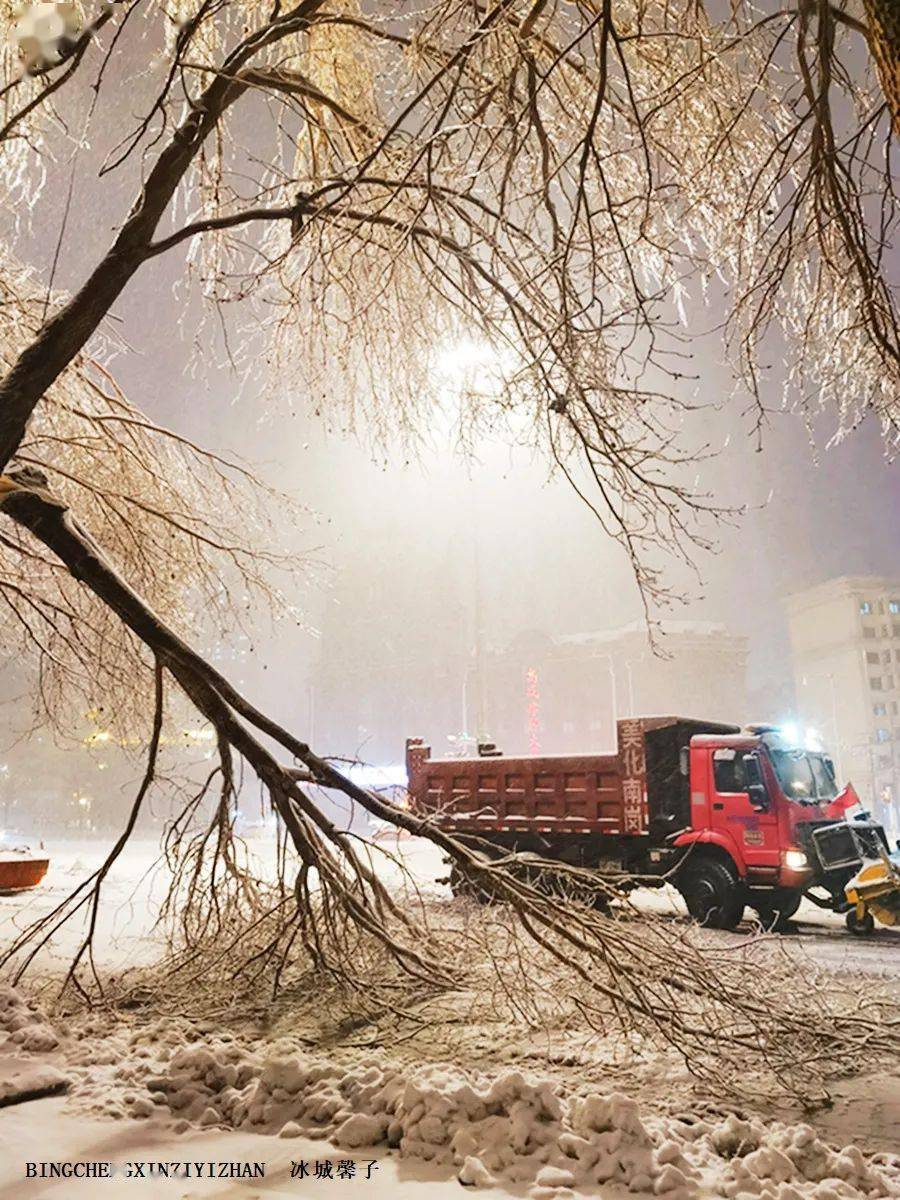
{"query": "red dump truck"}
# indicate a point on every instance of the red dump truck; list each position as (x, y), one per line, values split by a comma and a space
(733, 817)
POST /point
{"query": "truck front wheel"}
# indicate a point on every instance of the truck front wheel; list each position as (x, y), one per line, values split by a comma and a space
(712, 893)
(776, 908)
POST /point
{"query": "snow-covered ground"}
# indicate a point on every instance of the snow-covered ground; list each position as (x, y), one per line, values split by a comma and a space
(45, 1128)
(175, 1091)
(157, 1095)
(131, 898)
(132, 895)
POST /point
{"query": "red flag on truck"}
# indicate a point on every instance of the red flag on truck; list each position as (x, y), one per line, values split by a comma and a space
(842, 801)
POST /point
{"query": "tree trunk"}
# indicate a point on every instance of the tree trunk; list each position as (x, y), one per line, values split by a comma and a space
(883, 17)
(66, 333)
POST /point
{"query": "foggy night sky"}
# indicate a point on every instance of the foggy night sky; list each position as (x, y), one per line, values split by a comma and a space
(551, 567)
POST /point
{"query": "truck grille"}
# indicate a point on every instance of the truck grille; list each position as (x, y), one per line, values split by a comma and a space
(846, 844)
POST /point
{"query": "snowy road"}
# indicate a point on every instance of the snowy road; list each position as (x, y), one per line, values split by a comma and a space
(137, 883)
(821, 937)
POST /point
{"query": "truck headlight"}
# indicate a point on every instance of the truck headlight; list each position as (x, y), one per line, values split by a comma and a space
(795, 860)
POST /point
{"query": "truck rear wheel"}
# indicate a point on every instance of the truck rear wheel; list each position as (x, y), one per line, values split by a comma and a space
(712, 893)
(463, 885)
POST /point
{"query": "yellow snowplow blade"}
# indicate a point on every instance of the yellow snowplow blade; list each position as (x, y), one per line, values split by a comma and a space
(876, 889)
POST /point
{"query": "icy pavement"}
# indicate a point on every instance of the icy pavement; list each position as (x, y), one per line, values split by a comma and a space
(136, 886)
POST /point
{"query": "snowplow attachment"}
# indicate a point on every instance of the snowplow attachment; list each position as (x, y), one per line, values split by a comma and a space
(874, 892)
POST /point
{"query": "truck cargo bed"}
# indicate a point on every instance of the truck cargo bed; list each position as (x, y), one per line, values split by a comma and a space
(635, 792)
(529, 793)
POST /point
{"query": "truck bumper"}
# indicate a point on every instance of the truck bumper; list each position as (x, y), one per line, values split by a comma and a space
(796, 880)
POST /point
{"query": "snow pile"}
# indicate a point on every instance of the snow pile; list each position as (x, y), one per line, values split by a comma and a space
(789, 1162)
(45, 31)
(24, 1027)
(26, 1085)
(508, 1129)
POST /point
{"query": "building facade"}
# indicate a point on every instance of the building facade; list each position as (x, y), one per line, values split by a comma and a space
(565, 693)
(845, 638)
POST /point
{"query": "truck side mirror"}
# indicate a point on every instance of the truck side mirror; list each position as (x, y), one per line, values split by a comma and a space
(756, 786)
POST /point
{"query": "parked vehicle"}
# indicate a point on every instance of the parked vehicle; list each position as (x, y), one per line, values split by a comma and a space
(733, 817)
(20, 867)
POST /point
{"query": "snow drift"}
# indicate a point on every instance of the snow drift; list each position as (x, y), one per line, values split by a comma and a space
(507, 1129)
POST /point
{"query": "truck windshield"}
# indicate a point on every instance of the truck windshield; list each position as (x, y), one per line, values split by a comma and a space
(804, 774)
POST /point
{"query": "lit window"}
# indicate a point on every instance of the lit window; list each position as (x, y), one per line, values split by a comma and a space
(865, 607)
(894, 606)
(882, 735)
(879, 710)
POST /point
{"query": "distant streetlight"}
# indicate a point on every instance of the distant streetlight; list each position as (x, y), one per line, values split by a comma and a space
(628, 665)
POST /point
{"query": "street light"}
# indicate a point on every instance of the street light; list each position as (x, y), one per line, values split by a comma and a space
(466, 363)
(628, 665)
(613, 690)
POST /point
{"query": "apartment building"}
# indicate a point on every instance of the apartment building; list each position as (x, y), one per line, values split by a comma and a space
(845, 637)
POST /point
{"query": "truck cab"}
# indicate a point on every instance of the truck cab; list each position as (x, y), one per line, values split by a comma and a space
(760, 808)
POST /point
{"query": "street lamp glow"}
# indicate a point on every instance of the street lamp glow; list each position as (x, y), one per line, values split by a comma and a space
(375, 777)
(471, 364)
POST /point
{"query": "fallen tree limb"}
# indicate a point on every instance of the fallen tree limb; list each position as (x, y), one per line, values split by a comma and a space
(694, 998)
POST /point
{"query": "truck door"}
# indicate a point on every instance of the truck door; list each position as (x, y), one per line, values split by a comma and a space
(755, 832)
